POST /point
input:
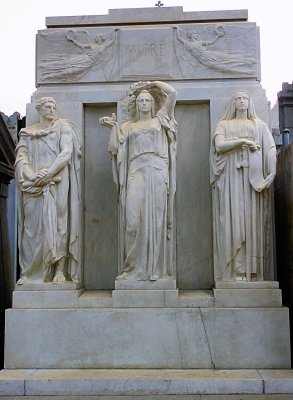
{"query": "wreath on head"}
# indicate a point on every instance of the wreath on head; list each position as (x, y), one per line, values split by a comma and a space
(134, 91)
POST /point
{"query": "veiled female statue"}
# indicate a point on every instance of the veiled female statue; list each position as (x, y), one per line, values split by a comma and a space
(243, 166)
(143, 154)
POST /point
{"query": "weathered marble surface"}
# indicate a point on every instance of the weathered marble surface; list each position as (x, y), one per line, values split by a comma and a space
(81, 54)
(179, 338)
(146, 298)
(243, 166)
(248, 297)
(136, 52)
(196, 118)
(161, 284)
(195, 50)
(48, 180)
(277, 381)
(131, 15)
(147, 384)
(143, 154)
(184, 332)
(247, 285)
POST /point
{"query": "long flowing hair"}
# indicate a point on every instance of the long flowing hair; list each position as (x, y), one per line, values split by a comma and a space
(230, 111)
(153, 113)
(157, 99)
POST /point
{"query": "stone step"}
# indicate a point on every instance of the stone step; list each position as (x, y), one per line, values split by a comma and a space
(161, 397)
(150, 384)
(95, 299)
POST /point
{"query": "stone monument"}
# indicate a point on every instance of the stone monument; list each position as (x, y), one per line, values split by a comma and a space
(47, 173)
(155, 291)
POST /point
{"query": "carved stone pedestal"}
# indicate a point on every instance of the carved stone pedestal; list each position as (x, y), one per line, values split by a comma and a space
(147, 329)
(145, 298)
(160, 284)
(160, 293)
(248, 294)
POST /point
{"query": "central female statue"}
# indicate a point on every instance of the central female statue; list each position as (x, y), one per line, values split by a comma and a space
(143, 154)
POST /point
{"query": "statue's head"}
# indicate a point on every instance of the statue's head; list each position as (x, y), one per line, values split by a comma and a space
(46, 107)
(145, 103)
(137, 92)
(231, 108)
(192, 35)
(100, 38)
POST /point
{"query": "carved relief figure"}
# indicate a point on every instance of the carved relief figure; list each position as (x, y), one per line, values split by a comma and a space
(143, 155)
(243, 166)
(196, 49)
(68, 67)
(47, 174)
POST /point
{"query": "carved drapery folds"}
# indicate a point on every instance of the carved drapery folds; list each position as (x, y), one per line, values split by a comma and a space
(48, 180)
(143, 152)
(243, 166)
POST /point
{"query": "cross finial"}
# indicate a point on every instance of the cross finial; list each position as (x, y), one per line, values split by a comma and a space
(159, 4)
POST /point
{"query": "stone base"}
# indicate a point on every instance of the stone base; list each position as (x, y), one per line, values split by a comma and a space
(69, 285)
(151, 384)
(178, 338)
(46, 298)
(160, 284)
(252, 297)
(145, 298)
(42, 299)
(246, 285)
(219, 298)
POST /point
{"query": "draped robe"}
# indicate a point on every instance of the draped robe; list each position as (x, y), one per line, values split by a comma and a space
(48, 216)
(242, 214)
(143, 155)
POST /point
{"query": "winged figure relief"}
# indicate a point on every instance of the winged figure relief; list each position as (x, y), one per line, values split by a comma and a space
(195, 51)
(81, 55)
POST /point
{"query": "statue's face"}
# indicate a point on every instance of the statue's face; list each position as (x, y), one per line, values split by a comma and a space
(99, 39)
(241, 102)
(144, 102)
(192, 36)
(48, 110)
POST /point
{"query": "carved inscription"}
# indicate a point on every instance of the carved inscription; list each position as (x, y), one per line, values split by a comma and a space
(145, 53)
(146, 50)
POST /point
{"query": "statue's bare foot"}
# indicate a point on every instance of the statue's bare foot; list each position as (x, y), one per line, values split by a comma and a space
(241, 277)
(154, 277)
(59, 277)
(20, 281)
(121, 277)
